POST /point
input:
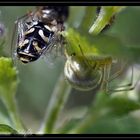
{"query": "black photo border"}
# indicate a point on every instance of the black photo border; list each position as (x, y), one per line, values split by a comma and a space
(71, 3)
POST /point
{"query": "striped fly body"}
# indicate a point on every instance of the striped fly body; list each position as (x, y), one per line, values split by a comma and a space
(39, 31)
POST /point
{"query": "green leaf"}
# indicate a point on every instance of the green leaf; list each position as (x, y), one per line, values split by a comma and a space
(5, 129)
(74, 39)
(88, 18)
(68, 126)
(104, 17)
(8, 78)
(8, 86)
(71, 118)
(4, 119)
(104, 104)
(118, 105)
(115, 125)
(134, 53)
(101, 45)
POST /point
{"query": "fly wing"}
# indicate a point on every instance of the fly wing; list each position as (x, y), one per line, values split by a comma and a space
(54, 50)
(20, 27)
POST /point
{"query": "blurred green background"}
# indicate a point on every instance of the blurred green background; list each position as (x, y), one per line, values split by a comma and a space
(37, 80)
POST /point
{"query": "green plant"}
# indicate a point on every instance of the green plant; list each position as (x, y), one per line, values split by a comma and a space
(111, 107)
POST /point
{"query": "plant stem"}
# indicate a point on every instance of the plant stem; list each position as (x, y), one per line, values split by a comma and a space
(90, 14)
(13, 112)
(93, 114)
(88, 121)
(104, 18)
(101, 21)
(58, 99)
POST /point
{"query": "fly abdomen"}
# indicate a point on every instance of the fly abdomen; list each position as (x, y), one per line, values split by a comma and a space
(27, 57)
(31, 51)
(36, 40)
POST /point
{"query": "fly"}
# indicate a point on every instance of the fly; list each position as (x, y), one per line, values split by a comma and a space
(39, 32)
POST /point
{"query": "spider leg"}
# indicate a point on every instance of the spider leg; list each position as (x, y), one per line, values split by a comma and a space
(106, 76)
(128, 86)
